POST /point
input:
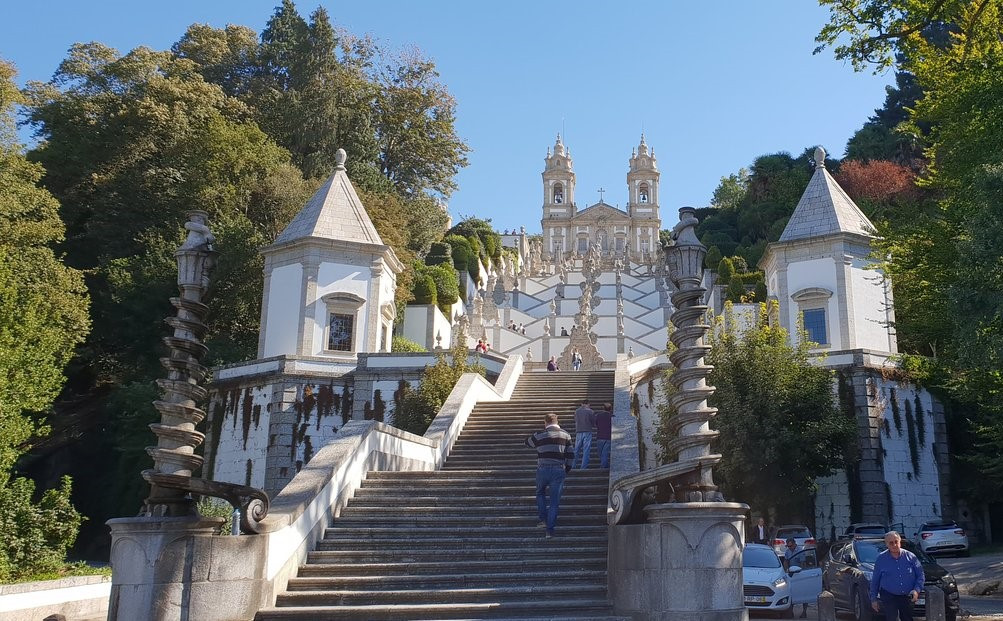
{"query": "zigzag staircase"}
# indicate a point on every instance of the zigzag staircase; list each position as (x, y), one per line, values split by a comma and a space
(461, 542)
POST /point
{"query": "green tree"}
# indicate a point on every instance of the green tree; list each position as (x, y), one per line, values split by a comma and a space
(779, 424)
(414, 117)
(43, 303)
(731, 190)
(43, 317)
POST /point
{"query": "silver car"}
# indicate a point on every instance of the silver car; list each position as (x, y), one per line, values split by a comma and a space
(943, 537)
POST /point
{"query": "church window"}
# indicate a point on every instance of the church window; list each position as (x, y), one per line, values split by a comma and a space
(342, 316)
(558, 246)
(341, 329)
(583, 245)
(558, 193)
(644, 246)
(619, 244)
(814, 325)
(643, 193)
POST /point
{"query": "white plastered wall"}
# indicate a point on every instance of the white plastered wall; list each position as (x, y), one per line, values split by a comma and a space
(282, 319)
(869, 307)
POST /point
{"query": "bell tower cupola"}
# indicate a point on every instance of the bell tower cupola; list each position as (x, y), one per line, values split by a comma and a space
(642, 183)
(558, 183)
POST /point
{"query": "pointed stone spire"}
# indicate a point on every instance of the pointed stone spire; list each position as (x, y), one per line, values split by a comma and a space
(334, 212)
(825, 209)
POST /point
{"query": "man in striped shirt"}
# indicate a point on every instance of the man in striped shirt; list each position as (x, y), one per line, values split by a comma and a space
(555, 455)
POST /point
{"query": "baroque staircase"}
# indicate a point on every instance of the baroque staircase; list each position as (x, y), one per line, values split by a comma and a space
(461, 542)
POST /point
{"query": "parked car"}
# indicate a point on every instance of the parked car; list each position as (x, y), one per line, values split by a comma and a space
(861, 530)
(849, 566)
(943, 537)
(767, 586)
(802, 537)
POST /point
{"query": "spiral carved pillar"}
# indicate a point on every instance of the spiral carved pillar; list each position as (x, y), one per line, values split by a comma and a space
(691, 423)
(174, 456)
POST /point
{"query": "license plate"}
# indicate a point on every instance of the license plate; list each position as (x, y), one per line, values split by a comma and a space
(921, 602)
(755, 599)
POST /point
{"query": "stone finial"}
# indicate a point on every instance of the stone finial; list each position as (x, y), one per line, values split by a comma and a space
(819, 157)
(339, 159)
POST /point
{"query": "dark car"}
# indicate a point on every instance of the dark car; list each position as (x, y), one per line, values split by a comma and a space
(863, 530)
(847, 575)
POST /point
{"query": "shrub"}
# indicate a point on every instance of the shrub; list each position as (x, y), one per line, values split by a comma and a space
(417, 407)
(440, 252)
(447, 286)
(725, 270)
(34, 537)
(401, 344)
(424, 289)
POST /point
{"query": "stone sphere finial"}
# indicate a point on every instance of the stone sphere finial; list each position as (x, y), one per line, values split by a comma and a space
(820, 157)
(339, 159)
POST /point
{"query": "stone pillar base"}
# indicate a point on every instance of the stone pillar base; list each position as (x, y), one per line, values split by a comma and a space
(685, 562)
(175, 569)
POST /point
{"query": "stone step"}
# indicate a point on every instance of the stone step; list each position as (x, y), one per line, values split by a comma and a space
(472, 533)
(467, 501)
(571, 610)
(413, 480)
(551, 563)
(452, 580)
(483, 542)
(472, 511)
(458, 555)
(484, 595)
(360, 518)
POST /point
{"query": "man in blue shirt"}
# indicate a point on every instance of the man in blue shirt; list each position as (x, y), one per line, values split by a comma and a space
(897, 580)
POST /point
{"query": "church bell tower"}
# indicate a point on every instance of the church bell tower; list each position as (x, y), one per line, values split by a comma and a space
(558, 198)
(642, 183)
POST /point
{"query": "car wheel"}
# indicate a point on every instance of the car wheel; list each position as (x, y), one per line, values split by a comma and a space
(861, 610)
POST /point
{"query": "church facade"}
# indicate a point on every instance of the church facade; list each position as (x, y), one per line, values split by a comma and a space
(568, 231)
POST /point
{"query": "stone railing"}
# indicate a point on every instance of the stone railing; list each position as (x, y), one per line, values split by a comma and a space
(79, 597)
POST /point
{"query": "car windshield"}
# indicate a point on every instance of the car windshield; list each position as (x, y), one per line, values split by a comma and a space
(759, 557)
(869, 530)
(940, 526)
(868, 551)
(797, 533)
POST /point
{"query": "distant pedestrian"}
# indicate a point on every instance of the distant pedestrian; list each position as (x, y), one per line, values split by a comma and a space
(576, 360)
(564, 331)
(897, 580)
(604, 433)
(555, 455)
(585, 423)
(761, 533)
(552, 364)
(482, 347)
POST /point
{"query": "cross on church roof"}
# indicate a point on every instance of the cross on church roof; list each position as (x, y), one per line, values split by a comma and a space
(601, 192)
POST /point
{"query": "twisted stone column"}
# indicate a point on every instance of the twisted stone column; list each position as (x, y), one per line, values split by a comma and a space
(691, 422)
(174, 456)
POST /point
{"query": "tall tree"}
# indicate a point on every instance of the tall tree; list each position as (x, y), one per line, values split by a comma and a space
(415, 119)
(43, 303)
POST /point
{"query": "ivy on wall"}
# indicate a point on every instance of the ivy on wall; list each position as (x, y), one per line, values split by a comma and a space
(920, 422)
(896, 415)
(913, 441)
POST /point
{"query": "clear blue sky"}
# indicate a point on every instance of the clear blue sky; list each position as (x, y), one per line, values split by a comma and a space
(714, 84)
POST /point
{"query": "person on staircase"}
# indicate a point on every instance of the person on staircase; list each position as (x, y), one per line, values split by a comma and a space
(555, 455)
(552, 364)
(585, 424)
(576, 359)
(604, 433)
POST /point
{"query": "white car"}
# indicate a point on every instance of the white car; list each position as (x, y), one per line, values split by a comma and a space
(801, 535)
(768, 586)
(943, 537)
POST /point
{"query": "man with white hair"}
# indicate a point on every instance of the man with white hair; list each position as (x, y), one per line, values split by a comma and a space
(897, 580)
